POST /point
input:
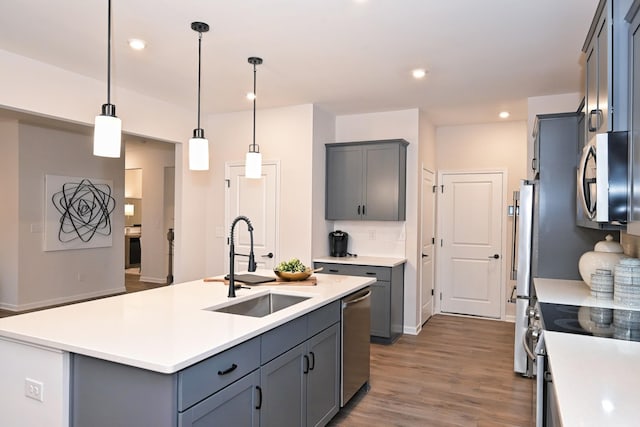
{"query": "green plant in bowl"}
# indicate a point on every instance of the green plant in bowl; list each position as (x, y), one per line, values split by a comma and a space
(293, 269)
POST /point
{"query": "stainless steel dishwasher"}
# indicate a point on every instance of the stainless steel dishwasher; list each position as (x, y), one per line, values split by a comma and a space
(356, 327)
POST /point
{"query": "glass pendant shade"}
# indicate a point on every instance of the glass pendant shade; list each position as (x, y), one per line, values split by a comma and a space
(107, 136)
(253, 165)
(198, 154)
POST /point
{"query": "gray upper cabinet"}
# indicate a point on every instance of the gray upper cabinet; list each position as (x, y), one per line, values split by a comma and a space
(366, 180)
(633, 224)
(606, 69)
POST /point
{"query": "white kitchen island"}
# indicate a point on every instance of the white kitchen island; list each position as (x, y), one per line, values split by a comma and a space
(163, 330)
(595, 379)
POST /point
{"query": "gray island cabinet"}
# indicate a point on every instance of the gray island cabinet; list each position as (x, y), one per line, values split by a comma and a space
(288, 376)
(366, 180)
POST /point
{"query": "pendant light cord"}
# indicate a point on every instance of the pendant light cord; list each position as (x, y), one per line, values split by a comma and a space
(254, 106)
(199, 71)
(109, 54)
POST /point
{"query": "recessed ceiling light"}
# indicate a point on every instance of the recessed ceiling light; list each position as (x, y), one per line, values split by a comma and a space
(419, 73)
(137, 44)
(504, 114)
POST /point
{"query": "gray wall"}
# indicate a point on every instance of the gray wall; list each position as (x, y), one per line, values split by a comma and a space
(43, 278)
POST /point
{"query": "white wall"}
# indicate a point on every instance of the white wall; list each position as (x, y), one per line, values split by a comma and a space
(19, 361)
(484, 147)
(66, 275)
(324, 131)
(390, 125)
(152, 158)
(77, 98)
(284, 135)
(9, 214)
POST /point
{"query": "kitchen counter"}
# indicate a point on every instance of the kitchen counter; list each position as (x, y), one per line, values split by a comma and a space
(363, 260)
(595, 379)
(573, 292)
(166, 329)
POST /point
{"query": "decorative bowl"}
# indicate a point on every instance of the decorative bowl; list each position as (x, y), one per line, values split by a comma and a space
(297, 276)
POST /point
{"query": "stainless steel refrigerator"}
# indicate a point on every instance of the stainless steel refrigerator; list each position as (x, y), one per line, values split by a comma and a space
(548, 241)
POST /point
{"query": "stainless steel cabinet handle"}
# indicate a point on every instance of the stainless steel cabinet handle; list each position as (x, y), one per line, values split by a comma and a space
(363, 297)
(598, 115)
(269, 255)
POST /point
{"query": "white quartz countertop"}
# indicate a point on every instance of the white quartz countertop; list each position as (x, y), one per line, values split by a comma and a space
(596, 379)
(572, 292)
(167, 329)
(363, 260)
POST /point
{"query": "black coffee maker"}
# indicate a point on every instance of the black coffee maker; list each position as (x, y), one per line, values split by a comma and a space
(338, 243)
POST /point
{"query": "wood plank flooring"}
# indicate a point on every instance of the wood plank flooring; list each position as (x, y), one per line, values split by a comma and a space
(457, 372)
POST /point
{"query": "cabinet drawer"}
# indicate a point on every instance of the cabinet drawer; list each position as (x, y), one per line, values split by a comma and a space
(380, 273)
(205, 378)
(281, 339)
(322, 318)
(233, 406)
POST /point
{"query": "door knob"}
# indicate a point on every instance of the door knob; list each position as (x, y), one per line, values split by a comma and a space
(494, 256)
(269, 255)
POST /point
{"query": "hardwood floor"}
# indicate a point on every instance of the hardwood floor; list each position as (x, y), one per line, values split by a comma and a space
(457, 372)
(132, 283)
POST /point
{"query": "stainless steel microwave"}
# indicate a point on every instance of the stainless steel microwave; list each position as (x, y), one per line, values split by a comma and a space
(602, 181)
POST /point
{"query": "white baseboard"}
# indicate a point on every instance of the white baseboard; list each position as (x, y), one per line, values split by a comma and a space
(160, 280)
(510, 318)
(62, 300)
(412, 330)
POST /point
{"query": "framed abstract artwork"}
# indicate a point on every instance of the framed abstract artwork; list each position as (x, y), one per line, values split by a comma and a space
(77, 213)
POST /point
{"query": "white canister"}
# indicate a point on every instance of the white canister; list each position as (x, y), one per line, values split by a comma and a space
(605, 255)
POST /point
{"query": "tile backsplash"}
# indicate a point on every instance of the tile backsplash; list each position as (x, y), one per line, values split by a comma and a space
(374, 238)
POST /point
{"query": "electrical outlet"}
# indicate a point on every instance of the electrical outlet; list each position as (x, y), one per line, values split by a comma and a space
(372, 234)
(34, 389)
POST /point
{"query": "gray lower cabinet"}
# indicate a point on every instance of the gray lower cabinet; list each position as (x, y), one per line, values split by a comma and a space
(366, 180)
(235, 405)
(300, 387)
(287, 376)
(387, 296)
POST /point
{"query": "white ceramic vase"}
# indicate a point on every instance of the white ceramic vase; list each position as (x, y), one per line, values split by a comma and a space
(605, 255)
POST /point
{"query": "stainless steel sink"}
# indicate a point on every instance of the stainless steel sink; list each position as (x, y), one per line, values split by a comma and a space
(262, 305)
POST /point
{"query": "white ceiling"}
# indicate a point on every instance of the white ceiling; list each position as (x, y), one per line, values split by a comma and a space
(346, 56)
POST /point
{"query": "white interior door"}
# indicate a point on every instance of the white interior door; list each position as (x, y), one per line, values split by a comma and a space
(470, 215)
(427, 241)
(257, 199)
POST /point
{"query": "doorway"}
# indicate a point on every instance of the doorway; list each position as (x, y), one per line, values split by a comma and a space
(149, 192)
(471, 230)
(258, 200)
(427, 242)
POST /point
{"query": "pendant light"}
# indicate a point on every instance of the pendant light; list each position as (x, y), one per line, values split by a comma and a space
(253, 163)
(199, 145)
(107, 132)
